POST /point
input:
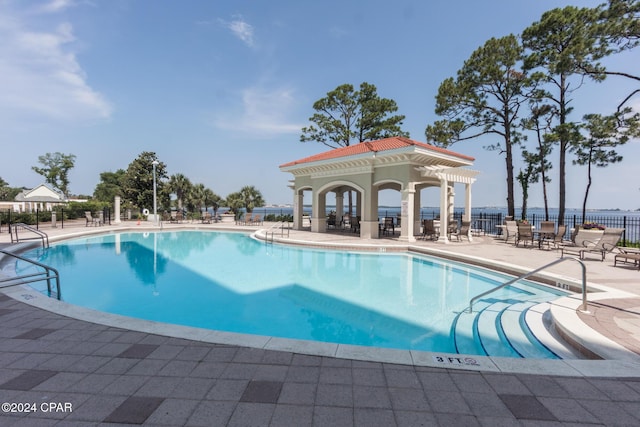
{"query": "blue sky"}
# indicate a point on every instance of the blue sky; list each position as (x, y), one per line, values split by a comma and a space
(220, 89)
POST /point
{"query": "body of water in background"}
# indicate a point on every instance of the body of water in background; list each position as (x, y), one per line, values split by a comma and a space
(629, 220)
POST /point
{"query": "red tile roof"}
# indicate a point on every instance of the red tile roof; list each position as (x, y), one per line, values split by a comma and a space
(385, 144)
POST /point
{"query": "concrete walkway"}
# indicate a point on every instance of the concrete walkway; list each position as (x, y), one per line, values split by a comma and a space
(57, 370)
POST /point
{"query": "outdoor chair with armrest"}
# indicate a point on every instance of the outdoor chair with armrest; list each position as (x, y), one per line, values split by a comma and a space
(388, 225)
(465, 229)
(429, 229)
(510, 230)
(525, 234)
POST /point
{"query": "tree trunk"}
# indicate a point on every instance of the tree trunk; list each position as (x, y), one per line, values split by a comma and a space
(563, 151)
(509, 161)
(586, 193)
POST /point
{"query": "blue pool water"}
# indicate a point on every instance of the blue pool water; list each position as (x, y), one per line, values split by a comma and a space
(231, 282)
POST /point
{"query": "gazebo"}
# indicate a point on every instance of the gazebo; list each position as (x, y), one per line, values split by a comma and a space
(396, 163)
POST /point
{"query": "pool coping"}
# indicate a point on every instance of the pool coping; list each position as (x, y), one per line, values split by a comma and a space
(620, 362)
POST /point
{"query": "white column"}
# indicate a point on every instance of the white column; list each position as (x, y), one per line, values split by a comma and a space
(368, 209)
(318, 213)
(417, 202)
(407, 213)
(116, 210)
(339, 205)
(298, 200)
(444, 215)
(467, 202)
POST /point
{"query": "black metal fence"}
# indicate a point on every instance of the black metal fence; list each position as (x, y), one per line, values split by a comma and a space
(53, 218)
(484, 221)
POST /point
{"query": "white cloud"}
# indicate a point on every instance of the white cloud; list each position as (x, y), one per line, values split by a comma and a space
(264, 112)
(241, 29)
(56, 5)
(41, 75)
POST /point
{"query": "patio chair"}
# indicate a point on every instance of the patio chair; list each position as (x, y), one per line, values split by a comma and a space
(355, 225)
(524, 234)
(558, 238)
(510, 230)
(388, 225)
(429, 229)
(257, 219)
(546, 233)
(465, 229)
(605, 244)
(452, 228)
(206, 218)
(91, 220)
(346, 221)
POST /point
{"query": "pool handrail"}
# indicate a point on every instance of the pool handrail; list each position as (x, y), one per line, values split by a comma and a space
(48, 274)
(41, 235)
(274, 227)
(583, 307)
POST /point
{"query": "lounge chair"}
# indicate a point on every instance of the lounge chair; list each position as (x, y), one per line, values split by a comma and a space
(206, 218)
(465, 229)
(524, 234)
(429, 229)
(627, 255)
(602, 246)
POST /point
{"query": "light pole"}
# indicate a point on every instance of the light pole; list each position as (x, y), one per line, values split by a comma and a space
(155, 200)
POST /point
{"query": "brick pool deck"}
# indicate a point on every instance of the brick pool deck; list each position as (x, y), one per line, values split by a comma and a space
(74, 372)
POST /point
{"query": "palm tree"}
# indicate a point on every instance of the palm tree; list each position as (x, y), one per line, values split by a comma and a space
(197, 196)
(251, 198)
(211, 198)
(180, 185)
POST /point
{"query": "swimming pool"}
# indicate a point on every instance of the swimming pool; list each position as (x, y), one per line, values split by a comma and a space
(231, 282)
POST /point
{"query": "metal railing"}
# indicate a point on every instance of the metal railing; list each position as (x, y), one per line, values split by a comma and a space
(40, 235)
(274, 228)
(48, 274)
(583, 307)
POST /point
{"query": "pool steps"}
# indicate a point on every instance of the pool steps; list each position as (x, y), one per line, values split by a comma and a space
(499, 328)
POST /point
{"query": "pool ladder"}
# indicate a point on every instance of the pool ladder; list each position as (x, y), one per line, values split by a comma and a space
(583, 307)
(280, 225)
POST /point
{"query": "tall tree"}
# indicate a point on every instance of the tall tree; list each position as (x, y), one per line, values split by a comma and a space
(345, 116)
(604, 134)
(539, 121)
(558, 46)
(137, 184)
(485, 98)
(55, 169)
(180, 185)
(110, 186)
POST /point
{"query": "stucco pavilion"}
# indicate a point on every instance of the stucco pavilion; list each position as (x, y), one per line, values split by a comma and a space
(392, 163)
